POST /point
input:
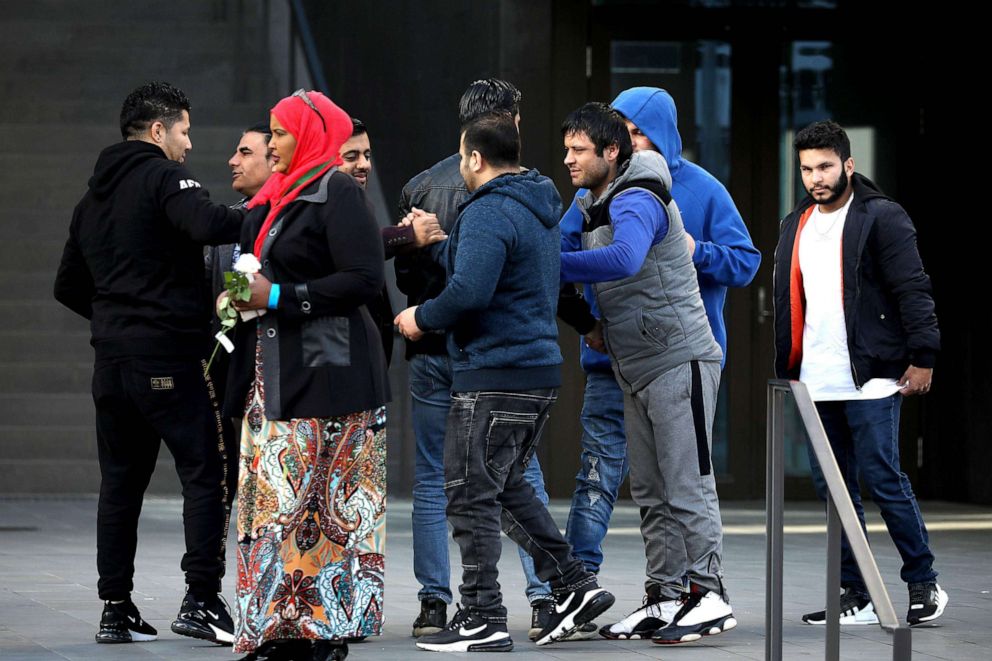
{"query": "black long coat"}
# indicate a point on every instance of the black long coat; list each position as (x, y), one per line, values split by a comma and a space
(322, 352)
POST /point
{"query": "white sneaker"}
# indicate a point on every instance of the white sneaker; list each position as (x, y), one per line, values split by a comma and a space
(702, 614)
(654, 613)
(855, 608)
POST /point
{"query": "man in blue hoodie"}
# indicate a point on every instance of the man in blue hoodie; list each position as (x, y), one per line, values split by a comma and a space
(498, 308)
(723, 255)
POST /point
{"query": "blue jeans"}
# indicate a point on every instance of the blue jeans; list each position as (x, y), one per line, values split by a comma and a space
(864, 435)
(430, 390)
(604, 468)
(491, 438)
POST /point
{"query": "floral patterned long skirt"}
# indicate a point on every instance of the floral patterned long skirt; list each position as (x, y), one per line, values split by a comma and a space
(311, 525)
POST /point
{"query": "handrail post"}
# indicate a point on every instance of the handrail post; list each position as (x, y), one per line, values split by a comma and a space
(902, 644)
(834, 529)
(841, 519)
(774, 523)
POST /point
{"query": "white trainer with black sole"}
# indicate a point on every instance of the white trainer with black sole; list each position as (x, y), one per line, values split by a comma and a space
(855, 609)
(654, 613)
(702, 614)
(467, 632)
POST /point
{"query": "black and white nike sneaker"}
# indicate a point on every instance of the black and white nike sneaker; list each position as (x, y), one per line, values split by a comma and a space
(926, 602)
(467, 632)
(655, 612)
(703, 613)
(122, 623)
(573, 609)
(206, 620)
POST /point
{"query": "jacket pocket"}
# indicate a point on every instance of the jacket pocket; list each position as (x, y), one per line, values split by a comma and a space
(326, 342)
(652, 326)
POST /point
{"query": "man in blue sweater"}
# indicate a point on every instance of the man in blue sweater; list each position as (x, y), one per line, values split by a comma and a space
(440, 190)
(498, 308)
(724, 256)
(629, 239)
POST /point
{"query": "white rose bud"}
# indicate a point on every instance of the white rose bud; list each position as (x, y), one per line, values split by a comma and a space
(247, 263)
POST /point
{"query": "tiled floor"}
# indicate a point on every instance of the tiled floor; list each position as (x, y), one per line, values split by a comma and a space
(49, 608)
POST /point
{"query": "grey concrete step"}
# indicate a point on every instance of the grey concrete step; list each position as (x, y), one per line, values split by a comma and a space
(84, 141)
(46, 410)
(59, 476)
(45, 377)
(95, 98)
(30, 285)
(44, 314)
(122, 12)
(67, 442)
(31, 255)
(45, 345)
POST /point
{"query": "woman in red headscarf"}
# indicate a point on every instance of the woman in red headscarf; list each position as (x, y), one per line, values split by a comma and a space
(310, 381)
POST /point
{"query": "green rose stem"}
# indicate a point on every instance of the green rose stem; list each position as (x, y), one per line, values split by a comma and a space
(238, 288)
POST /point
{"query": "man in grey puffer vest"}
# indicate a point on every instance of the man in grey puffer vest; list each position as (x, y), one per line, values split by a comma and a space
(655, 330)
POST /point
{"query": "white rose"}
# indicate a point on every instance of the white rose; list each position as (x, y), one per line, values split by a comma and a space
(247, 263)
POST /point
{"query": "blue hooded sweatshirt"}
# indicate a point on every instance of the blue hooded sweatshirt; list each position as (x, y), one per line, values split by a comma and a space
(724, 255)
(502, 259)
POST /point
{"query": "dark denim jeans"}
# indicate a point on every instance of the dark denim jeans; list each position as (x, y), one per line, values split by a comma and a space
(490, 439)
(430, 390)
(864, 435)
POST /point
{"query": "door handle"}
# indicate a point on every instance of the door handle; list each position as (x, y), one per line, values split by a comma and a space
(763, 311)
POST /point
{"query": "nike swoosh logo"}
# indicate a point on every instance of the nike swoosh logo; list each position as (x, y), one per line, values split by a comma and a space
(470, 632)
(561, 608)
(132, 619)
(212, 615)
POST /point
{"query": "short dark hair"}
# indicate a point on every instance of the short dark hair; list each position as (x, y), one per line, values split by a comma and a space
(261, 127)
(824, 135)
(486, 96)
(154, 101)
(495, 136)
(603, 125)
(358, 127)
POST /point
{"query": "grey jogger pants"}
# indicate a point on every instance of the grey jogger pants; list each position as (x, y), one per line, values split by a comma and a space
(669, 426)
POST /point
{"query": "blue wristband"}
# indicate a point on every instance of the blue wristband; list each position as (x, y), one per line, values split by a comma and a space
(273, 296)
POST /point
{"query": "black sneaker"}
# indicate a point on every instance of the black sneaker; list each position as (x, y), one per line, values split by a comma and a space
(655, 612)
(540, 617)
(330, 650)
(926, 602)
(573, 609)
(122, 623)
(467, 632)
(433, 615)
(206, 620)
(855, 608)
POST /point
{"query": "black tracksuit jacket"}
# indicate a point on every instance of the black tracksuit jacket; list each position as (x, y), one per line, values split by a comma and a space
(133, 262)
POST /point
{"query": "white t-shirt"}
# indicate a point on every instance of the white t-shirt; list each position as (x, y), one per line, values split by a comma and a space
(826, 365)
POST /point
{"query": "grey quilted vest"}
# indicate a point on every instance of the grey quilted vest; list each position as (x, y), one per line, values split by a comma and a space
(654, 320)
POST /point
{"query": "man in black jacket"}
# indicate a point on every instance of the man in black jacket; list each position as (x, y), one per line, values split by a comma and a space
(855, 322)
(133, 266)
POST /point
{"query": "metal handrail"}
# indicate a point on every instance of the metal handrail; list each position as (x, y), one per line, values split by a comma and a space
(840, 516)
(300, 30)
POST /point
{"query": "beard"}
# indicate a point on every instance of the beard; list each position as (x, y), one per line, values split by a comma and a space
(836, 191)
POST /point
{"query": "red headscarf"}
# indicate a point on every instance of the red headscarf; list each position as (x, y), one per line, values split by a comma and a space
(316, 150)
